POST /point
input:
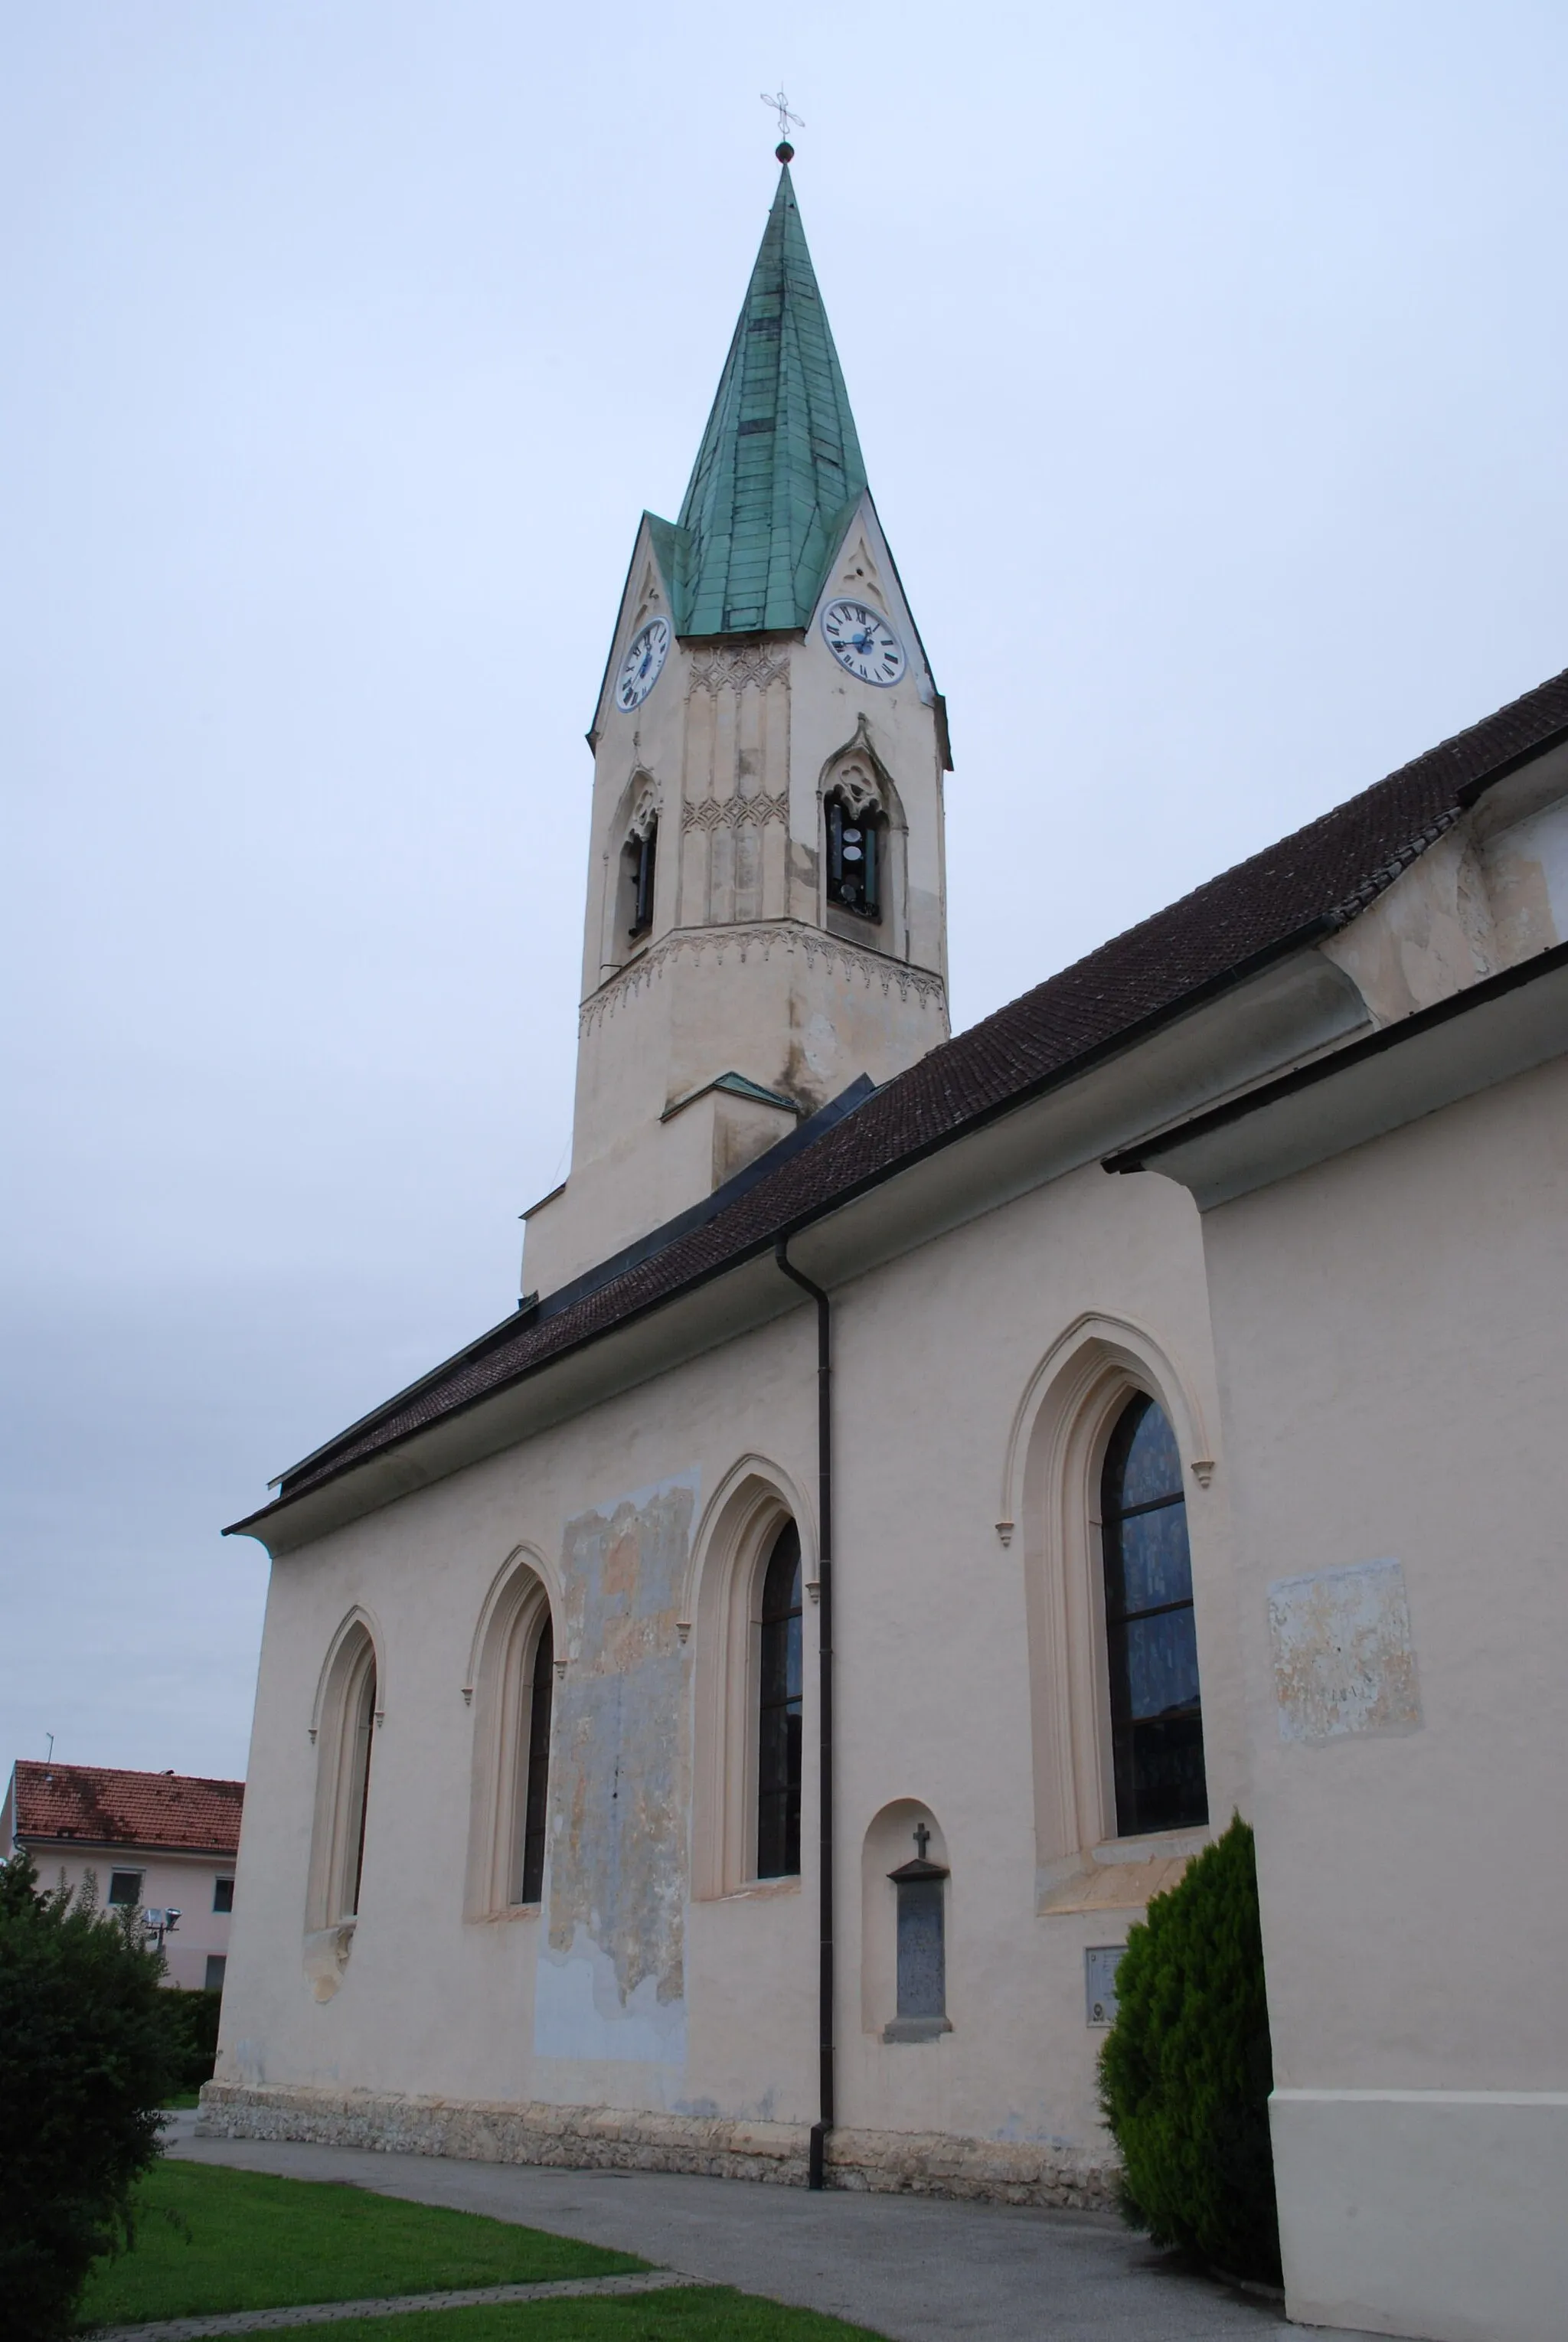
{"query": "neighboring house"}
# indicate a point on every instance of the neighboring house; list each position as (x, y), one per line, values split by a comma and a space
(786, 1762)
(153, 1841)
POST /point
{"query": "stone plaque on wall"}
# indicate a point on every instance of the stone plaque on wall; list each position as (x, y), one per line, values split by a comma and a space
(922, 1957)
(1344, 1659)
(1101, 1962)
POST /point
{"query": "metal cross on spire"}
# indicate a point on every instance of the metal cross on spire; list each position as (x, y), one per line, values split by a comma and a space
(787, 121)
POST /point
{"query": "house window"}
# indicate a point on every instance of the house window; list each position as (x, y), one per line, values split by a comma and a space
(536, 1758)
(1156, 1711)
(213, 1980)
(641, 855)
(779, 1711)
(223, 1895)
(124, 1890)
(854, 857)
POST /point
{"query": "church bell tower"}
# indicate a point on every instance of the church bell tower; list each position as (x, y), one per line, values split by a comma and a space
(766, 915)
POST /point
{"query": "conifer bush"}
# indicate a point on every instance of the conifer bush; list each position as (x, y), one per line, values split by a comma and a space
(88, 2057)
(1186, 2069)
(195, 2018)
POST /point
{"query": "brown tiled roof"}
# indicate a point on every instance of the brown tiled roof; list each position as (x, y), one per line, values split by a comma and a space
(97, 1806)
(1308, 884)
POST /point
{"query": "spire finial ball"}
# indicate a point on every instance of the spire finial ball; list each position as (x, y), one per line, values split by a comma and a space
(785, 151)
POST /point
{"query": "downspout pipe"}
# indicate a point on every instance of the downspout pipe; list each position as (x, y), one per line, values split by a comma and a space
(824, 2124)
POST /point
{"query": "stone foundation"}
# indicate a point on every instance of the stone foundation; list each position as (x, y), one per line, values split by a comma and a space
(887, 2162)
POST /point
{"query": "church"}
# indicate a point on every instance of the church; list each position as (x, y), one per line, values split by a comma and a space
(727, 1718)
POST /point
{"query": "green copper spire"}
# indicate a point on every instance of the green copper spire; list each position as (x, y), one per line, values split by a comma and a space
(780, 464)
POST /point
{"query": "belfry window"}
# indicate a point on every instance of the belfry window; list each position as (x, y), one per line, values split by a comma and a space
(641, 854)
(853, 857)
(537, 1760)
(1156, 1710)
(779, 1711)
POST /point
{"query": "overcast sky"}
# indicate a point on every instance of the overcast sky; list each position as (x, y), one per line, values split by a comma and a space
(1208, 362)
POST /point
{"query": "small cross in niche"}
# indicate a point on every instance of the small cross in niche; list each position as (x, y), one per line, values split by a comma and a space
(922, 1840)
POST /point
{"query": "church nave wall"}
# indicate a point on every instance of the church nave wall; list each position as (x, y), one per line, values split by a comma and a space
(659, 1978)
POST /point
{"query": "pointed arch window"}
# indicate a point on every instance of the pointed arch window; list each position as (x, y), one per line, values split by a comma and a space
(359, 1789)
(348, 1714)
(779, 1711)
(1156, 1705)
(513, 1686)
(854, 856)
(535, 1802)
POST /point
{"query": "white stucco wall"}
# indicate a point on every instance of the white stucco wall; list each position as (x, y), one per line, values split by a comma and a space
(941, 1699)
(1390, 1333)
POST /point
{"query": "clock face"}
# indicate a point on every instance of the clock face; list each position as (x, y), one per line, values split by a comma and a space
(640, 667)
(863, 642)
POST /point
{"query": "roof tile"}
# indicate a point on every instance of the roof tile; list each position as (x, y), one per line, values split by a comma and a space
(99, 1806)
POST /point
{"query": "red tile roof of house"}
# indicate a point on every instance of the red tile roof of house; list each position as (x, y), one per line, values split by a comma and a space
(95, 1804)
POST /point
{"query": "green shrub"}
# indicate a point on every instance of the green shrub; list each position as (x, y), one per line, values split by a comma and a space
(86, 2060)
(195, 2018)
(1186, 2070)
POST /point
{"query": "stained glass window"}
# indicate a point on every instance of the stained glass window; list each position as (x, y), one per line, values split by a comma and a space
(779, 1712)
(1156, 1708)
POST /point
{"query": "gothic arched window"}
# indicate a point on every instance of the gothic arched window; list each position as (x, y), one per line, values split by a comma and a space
(779, 1711)
(345, 1735)
(1157, 1709)
(854, 855)
(359, 1792)
(511, 1688)
(535, 1766)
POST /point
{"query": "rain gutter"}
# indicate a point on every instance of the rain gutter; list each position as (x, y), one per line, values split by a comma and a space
(816, 2175)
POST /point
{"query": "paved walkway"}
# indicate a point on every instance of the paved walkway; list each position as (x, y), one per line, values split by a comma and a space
(328, 2313)
(908, 2266)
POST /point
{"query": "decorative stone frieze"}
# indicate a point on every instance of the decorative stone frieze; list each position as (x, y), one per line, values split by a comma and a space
(763, 940)
(878, 2161)
(737, 667)
(735, 813)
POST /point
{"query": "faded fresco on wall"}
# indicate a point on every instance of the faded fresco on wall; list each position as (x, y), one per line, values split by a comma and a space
(1344, 1658)
(610, 1981)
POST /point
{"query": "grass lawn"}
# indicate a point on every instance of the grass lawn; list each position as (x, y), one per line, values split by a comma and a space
(243, 2240)
(705, 2314)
